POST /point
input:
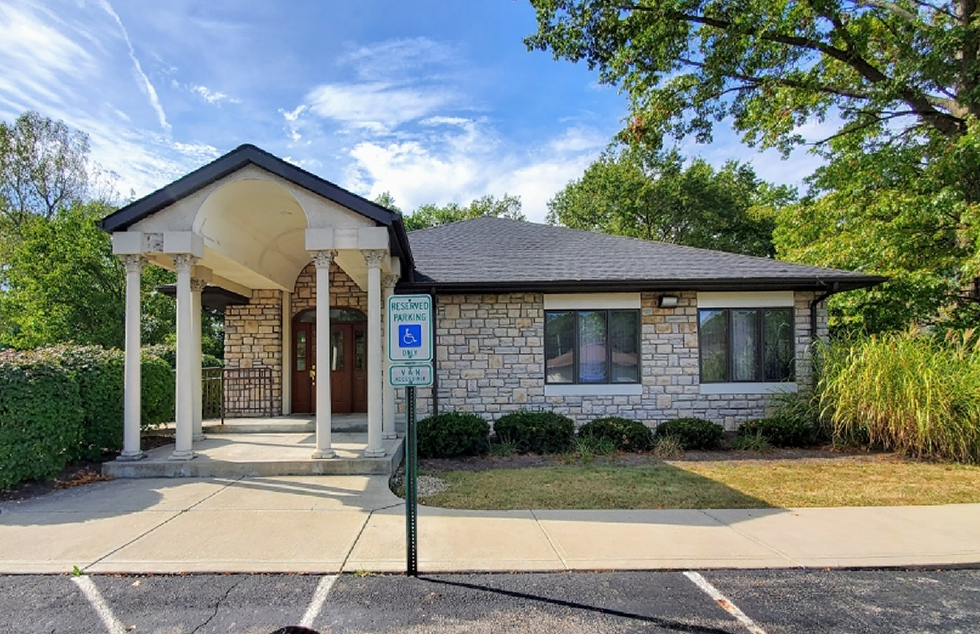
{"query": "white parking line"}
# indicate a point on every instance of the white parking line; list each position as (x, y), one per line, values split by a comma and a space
(94, 597)
(319, 597)
(724, 602)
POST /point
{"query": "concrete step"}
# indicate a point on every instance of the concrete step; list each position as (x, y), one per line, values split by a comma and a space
(255, 455)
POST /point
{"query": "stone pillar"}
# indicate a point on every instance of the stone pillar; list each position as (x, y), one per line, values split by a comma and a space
(184, 262)
(373, 258)
(132, 378)
(322, 260)
(197, 287)
(387, 392)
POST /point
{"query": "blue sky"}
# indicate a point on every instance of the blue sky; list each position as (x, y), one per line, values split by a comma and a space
(432, 100)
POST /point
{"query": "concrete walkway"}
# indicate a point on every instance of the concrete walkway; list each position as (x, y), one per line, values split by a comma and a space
(354, 523)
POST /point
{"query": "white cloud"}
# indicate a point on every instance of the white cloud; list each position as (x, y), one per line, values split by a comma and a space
(213, 97)
(392, 59)
(375, 106)
(201, 152)
(469, 162)
(144, 82)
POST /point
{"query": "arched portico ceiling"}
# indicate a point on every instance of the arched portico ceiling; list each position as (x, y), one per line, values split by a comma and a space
(252, 211)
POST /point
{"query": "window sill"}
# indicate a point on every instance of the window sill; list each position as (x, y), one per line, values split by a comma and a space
(585, 389)
(747, 388)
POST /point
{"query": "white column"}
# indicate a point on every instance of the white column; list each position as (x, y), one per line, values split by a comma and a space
(375, 446)
(184, 262)
(131, 381)
(387, 392)
(322, 260)
(287, 353)
(197, 287)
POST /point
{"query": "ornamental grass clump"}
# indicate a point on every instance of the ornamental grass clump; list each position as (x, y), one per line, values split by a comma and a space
(907, 392)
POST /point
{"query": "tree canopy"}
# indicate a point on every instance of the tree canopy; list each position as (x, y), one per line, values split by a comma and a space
(43, 167)
(59, 280)
(654, 196)
(894, 86)
(431, 215)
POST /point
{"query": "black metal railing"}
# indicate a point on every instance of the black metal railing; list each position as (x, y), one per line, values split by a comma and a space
(237, 393)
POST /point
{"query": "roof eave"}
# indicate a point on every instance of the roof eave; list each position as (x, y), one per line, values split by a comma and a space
(837, 284)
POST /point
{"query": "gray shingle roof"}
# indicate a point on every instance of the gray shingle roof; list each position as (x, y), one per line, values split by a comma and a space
(487, 254)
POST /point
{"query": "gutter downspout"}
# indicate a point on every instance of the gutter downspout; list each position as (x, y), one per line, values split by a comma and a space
(813, 309)
(435, 353)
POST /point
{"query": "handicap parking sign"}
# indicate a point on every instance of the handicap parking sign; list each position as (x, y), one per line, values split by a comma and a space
(410, 328)
(410, 335)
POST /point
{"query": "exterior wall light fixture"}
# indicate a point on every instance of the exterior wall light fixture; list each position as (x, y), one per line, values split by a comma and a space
(667, 301)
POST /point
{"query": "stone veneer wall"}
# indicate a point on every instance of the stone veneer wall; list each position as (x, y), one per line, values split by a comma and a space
(344, 292)
(253, 333)
(253, 338)
(490, 356)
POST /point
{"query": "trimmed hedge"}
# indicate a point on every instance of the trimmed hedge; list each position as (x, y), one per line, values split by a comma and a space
(537, 432)
(65, 403)
(627, 435)
(693, 433)
(41, 416)
(780, 431)
(452, 434)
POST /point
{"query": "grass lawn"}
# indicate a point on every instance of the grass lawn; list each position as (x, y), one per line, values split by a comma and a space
(711, 484)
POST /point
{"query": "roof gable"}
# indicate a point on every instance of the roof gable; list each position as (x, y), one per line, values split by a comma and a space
(239, 158)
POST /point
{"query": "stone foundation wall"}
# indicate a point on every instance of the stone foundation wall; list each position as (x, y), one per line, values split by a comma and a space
(490, 360)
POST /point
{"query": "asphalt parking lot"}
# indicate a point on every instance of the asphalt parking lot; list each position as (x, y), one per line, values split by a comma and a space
(705, 602)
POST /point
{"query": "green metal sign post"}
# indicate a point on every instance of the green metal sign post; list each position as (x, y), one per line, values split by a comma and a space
(411, 487)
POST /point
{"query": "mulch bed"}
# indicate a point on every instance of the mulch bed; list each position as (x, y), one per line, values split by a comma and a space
(77, 473)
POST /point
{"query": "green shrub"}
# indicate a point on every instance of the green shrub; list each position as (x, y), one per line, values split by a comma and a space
(158, 396)
(537, 432)
(905, 392)
(168, 353)
(693, 433)
(452, 434)
(780, 432)
(41, 416)
(99, 375)
(625, 434)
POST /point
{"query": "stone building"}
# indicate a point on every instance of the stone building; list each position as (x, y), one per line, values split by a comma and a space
(526, 315)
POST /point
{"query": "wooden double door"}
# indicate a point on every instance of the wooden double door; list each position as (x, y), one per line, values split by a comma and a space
(348, 365)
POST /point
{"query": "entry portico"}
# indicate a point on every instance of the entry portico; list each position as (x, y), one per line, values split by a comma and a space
(251, 223)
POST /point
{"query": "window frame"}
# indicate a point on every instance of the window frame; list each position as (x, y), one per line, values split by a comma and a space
(575, 349)
(760, 356)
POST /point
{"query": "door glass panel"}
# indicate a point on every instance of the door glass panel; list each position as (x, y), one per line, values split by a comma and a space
(347, 315)
(300, 351)
(337, 350)
(360, 350)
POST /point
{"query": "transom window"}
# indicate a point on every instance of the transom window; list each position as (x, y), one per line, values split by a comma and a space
(742, 345)
(592, 346)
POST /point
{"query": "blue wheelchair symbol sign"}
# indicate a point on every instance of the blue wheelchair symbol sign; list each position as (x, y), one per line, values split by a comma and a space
(410, 335)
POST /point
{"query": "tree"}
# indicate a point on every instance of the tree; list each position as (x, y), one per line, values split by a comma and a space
(431, 215)
(43, 167)
(653, 196)
(898, 82)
